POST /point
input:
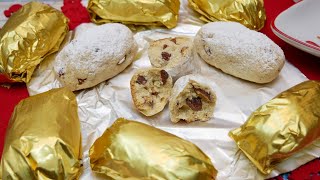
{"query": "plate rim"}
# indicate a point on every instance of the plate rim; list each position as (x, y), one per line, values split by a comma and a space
(273, 27)
(279, 33)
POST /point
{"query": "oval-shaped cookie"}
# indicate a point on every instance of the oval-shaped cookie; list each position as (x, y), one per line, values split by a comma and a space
(150, 90)
(192, 99)
(175, 55)
(97, 54)
(239, 51)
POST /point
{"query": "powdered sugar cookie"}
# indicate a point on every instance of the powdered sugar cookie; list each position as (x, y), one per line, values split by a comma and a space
(83, 28)
(175, 55)
(150, 90)
(192, 99)
(97, 54)
(239, 51)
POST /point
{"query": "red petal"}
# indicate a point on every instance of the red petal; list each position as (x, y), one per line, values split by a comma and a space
(76, 13)
(71, 1)
(15, 7)
(7, 13)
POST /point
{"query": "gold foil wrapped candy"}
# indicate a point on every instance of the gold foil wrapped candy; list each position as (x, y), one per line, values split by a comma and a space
(281, 127)
(31, 34)
(137, 12)
(134, 150)
(43, 138)
(250, 13)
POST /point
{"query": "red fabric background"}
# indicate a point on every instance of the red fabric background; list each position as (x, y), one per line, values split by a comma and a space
(308, 64)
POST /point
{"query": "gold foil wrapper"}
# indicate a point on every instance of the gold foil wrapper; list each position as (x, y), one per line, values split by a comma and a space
(250, 13)
(136, 12)
(134, 150)
(30, 34)
(284, 125)
(43, 139)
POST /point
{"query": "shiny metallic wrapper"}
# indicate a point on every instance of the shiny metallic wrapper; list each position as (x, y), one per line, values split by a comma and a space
(136, 12)
(139, 151)
(30, 34)
(43, 138)
(250, 13)
(284, 125)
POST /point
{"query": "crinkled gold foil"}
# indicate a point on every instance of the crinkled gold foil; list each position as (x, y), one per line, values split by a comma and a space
(139, 151)
(281, 127)
(250, 13)
(30, 34)
(137, 12)
(43, 139)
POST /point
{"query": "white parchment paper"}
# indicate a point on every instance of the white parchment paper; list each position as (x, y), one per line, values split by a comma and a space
(100, 106)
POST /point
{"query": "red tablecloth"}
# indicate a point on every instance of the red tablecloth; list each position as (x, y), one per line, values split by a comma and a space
(308, 64)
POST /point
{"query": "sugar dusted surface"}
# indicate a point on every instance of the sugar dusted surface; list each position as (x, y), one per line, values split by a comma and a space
(90, 50)
(240, 43)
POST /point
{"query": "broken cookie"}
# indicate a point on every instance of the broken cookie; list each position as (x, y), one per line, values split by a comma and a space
(191, 100)
(150, 90)
(175, 55)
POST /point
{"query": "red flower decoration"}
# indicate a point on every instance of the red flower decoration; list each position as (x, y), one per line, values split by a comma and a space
(68, 2)
(76, 13)
(12, 9)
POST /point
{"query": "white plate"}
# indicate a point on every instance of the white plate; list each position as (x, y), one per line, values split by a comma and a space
(300, 26)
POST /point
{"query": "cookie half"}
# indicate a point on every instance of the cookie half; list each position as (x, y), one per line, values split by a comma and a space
(191, 100)
(150, 90)
(175, 55)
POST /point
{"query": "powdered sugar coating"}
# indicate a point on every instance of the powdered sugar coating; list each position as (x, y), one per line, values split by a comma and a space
(97, 54)
(181, 61)
(239, 51)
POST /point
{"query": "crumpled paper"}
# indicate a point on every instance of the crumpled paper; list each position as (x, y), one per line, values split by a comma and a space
(149, 153)
(283, 126)
(250, 13)
(29, 35)
(36, 146)
(135, 12)
(100, 106)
